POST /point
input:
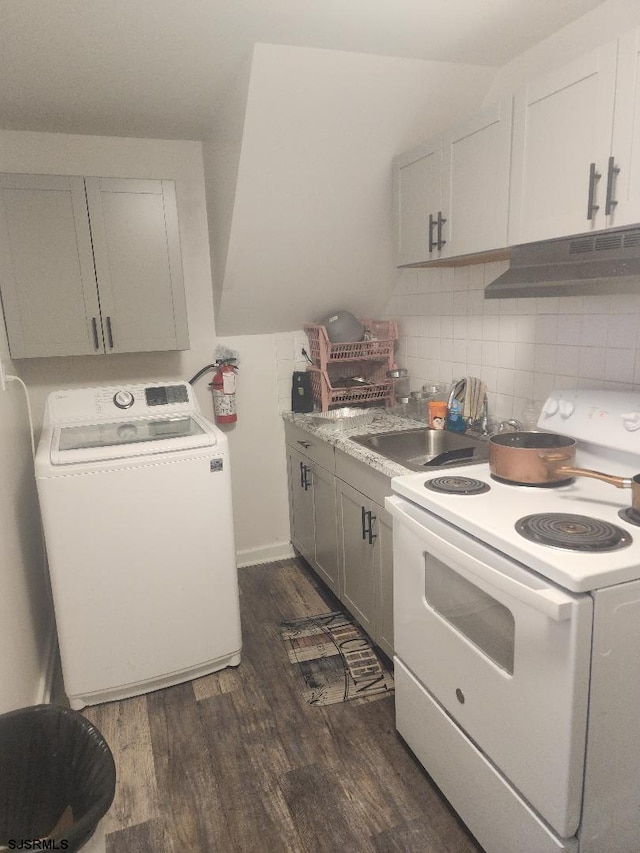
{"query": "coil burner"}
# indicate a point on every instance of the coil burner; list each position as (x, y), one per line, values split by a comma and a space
(573, 532)
(457, 485)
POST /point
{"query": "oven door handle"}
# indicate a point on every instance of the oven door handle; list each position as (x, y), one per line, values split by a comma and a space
(553, 602)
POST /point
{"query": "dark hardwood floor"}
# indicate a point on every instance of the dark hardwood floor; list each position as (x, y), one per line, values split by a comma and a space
(237, 762)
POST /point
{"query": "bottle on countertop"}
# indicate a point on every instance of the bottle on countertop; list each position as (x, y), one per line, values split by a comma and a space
(455, 419)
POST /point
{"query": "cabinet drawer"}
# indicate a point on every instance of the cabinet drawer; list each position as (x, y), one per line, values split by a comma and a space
(373, 484)
(314, 448)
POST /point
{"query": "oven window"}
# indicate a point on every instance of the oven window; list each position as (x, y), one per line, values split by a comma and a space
(486, 622)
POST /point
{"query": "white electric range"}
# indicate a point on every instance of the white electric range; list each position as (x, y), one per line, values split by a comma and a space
(518, 662)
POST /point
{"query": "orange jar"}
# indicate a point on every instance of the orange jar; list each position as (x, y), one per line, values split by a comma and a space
(437, 410)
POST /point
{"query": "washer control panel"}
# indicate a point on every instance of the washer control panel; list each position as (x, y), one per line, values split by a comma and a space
(166, 395)
(86, 405)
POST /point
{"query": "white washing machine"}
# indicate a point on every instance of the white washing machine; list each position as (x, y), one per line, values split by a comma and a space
(135, 493)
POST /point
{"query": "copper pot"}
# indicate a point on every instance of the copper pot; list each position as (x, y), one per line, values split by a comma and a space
(544, 458)
(531, 458)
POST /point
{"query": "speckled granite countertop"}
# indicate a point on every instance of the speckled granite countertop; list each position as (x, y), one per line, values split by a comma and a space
(383, 421)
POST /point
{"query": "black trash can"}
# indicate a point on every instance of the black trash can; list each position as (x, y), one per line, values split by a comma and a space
(56, 769)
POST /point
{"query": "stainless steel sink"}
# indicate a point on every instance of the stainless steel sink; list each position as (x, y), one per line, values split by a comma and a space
(426, 448)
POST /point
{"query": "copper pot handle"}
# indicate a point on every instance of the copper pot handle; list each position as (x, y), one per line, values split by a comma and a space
(619, 482)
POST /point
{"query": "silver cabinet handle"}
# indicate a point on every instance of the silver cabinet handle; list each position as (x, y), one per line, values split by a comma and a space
(612, 171)
(367, 526)
(94, 326)
(305, 444)
(432, 225)
(594, 176)
(372, 536)
(305, 480)
(308, 477)
(109, 332)
(441, 221)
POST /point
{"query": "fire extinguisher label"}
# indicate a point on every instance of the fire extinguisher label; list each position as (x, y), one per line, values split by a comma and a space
(224, 404)
(228, 382)
(215, 464)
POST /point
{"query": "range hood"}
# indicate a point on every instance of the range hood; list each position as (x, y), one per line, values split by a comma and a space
(601, 263)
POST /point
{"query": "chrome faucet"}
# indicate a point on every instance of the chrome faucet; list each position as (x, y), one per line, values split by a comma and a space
(510, 425)
(457, 386)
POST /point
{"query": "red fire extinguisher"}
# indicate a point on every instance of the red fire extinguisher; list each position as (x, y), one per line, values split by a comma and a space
(223, 388)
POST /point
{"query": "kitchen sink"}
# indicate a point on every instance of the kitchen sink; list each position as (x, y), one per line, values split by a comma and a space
(422, 448)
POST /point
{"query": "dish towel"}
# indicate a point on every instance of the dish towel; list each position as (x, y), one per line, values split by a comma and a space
(473, 401)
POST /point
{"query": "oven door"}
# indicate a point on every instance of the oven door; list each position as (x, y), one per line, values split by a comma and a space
(505, 652)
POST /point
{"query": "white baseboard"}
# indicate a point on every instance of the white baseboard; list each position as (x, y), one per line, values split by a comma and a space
(265, 554)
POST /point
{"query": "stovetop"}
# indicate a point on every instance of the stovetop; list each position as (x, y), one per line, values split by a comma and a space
(492, 516)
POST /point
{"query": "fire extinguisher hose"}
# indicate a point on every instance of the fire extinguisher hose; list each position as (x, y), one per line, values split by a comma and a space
(201, 372)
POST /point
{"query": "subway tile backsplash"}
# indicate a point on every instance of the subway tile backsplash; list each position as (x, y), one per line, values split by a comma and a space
(522, 348)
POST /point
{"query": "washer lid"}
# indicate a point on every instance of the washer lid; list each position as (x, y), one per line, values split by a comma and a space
(125, 438)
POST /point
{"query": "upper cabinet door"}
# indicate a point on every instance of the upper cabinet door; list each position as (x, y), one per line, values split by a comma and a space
(561, 144)
(623, 169)
(417, 191)
(136, 244)
(47, 276)
(476, 171)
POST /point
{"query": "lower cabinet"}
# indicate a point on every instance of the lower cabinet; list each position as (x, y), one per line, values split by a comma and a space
(358, 550)
(301, 503)
(365, 547)
(340, 526)
(312, 515)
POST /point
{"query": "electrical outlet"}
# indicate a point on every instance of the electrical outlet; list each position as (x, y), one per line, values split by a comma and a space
(300, 343)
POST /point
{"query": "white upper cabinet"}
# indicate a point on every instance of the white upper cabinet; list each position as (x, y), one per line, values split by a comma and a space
(476, 166)
(136, 245)
(451, 194)
(562, 157)
(47, 278)
(622, 201)
(561, 146)
(417, 201)
(90, 266)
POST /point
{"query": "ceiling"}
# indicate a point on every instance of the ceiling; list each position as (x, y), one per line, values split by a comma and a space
(157, 68)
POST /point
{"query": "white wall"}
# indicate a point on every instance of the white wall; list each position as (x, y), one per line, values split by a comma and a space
(299, 189)
(602, 24)
(257, 446)
(25, 609)
(311, 219)
(221, 163)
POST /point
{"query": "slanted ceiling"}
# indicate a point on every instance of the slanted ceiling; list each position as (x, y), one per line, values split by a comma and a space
(298, 174)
